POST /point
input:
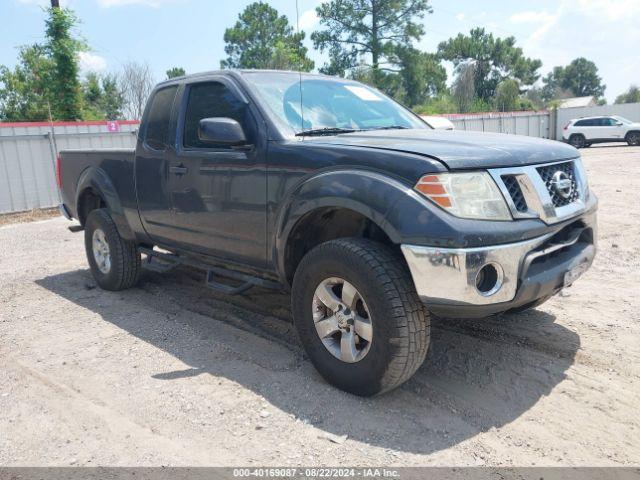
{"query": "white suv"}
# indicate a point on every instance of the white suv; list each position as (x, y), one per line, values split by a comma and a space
(582, 132)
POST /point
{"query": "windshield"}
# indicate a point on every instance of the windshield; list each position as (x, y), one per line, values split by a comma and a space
(329, 105)
(622, 119)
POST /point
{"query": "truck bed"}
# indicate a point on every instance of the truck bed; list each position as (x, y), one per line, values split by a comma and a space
(116, 163)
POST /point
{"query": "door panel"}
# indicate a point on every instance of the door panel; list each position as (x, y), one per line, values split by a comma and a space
(151, 167)
(218, 193)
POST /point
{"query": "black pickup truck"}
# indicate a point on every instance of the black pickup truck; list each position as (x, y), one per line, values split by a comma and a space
(329, 189)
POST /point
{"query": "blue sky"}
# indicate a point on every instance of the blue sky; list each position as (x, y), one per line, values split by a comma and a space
(189, 33)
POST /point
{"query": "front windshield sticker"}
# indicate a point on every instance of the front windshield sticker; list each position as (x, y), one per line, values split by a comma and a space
(363, 93)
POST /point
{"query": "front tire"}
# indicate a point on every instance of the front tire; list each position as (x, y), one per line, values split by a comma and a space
(115, 262)
(358, 316)
(633, 139)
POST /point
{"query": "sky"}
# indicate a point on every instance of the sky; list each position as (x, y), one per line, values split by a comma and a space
(189, 33)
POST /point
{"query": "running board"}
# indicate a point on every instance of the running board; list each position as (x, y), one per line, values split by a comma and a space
(75, 228)
(163, 262)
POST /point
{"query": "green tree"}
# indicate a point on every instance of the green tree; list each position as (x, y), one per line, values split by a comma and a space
(443, 103)
(367, 33)
(421, 74)
(632, 95)
(507, 95)
(24, 93)
(103, 99)
(112, 97)
(92, 93)
(262, 38)
(579, 79)
(494, 60)
(175, 72)
(63, 49)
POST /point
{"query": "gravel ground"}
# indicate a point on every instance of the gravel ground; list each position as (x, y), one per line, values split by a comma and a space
(171, 373)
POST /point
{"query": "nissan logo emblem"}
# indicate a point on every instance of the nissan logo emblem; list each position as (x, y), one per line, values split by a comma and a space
(562, 184)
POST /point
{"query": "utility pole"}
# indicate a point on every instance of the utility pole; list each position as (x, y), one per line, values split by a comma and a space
(55, 3)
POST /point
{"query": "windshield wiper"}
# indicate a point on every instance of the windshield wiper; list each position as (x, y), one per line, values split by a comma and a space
(390, 127)
(325, 131)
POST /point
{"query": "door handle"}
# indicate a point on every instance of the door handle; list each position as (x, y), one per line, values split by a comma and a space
(178, 169)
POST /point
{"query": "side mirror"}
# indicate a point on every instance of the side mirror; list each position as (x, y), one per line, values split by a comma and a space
(222, 131)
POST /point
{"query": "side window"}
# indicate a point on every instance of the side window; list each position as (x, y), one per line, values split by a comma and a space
(157, 132)
(582, 123)
(608, 122)
(213, 99)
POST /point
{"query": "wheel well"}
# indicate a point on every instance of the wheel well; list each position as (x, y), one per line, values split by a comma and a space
(630, 132)
(327, 224)
(89, 200)
(576, 135)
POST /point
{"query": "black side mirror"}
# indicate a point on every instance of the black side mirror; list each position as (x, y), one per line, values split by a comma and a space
(222, 131)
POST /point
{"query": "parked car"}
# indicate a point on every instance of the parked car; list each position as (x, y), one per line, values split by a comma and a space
(584, 132)
(327, 188)
(438, 123)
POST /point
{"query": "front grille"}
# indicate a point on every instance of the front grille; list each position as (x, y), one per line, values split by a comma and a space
(515, 192)
(547, 173)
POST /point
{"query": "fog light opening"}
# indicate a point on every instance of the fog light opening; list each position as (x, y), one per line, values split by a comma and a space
(489, 279)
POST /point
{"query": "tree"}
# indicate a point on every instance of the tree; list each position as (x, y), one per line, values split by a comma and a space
(464, 87)
(367, 33)
(24, 92)
(63, 49)
(103, 99)
(136, 84)
(494, 60)
(113, 98)
(175, 72)
(507, 95)
(581, 77)
(421, 74)
(578, 79)
(262, 38)
(632, 95)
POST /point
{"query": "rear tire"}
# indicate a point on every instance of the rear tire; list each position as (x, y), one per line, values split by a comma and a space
(398, 323)
(115, 262)
(633, 139)
(577, 141)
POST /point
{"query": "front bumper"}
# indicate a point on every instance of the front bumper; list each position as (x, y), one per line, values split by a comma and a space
(522, 273)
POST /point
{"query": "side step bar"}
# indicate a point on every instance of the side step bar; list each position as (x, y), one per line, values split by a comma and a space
(163, 262)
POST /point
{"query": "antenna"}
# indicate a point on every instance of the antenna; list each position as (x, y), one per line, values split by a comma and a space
(299, 69)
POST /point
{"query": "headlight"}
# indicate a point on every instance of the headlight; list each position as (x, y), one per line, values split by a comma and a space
(467, 195)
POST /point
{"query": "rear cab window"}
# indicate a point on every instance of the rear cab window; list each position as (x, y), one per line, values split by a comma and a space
(157, 131)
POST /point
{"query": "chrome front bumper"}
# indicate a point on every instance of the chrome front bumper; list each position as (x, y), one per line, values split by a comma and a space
(444, 276)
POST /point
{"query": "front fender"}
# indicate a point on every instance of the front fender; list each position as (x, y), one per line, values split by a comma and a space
(369, 193)
(98, 181)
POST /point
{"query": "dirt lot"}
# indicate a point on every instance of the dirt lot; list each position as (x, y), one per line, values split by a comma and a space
(171, 373)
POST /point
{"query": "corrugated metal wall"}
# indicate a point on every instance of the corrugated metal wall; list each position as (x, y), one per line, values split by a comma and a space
(533, 124)
(630, 111)
(28, 151)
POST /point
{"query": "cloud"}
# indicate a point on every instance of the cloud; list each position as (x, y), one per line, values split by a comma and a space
(543, 20)
(121, 3)
(611, 10)
(308, 20)
(530, 16)
(44, 3)
(90, 62)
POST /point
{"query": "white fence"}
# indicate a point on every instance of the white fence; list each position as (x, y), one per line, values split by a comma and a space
(28, 155)
(532, 124)
(630, 111)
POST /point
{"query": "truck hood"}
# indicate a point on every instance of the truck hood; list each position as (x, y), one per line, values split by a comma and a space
(459, 149)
